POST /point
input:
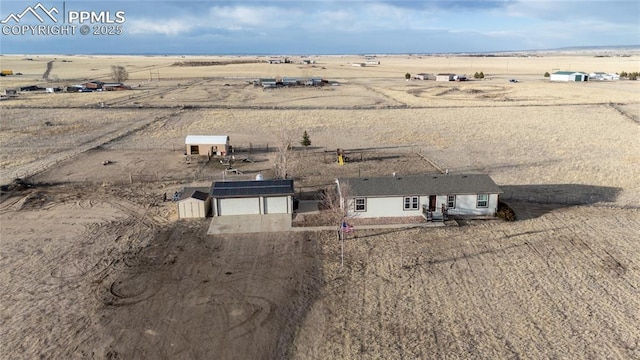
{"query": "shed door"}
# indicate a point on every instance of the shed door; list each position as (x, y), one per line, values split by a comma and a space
(276, 205)
(243, 206)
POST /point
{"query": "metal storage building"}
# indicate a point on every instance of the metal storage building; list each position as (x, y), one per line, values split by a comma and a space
(254, 197)
(569, 76)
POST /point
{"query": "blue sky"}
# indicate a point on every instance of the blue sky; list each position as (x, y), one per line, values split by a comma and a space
(326, 26)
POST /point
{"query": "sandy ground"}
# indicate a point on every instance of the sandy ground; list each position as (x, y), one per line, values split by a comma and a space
(96, 265)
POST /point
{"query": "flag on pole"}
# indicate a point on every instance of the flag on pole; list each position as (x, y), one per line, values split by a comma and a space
(346, 227)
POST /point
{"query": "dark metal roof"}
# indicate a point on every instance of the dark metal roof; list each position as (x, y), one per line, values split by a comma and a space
(252, 188)
(199, 193)
(427, 184)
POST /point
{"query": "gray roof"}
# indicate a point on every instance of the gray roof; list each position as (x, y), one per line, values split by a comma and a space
(426, 184)
(236, 189)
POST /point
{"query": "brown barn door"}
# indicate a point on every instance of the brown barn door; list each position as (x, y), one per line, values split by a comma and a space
(432, 203)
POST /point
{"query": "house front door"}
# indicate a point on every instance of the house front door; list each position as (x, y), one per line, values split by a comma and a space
(432, 203)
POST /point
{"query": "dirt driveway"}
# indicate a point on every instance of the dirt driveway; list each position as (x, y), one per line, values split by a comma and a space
(91, 273)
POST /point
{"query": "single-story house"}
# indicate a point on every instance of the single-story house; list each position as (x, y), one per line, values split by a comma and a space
(425, 76)
(194, 203)
(253, 197)
(209, 145)
(569, 76)
(416, 195)
(603, 76)
(445, 77)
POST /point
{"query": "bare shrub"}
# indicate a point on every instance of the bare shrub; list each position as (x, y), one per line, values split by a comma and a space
(119, 73)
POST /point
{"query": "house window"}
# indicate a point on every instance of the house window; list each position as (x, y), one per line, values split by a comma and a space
(483, 201)
(361, 204)
(451, 201)
(411, 203)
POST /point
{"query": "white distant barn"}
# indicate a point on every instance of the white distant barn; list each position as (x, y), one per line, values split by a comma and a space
(445, 77)
(209, 145)
(569, 76)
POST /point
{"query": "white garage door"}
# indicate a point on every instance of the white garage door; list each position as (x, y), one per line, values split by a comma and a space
(275, 205)
(244, 206)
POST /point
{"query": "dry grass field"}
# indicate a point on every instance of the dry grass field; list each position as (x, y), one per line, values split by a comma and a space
(97, 266)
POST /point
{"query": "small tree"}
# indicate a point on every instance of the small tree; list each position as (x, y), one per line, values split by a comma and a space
(546, 74)
(481, 75)
(119, 73)
(282, 158)
(305, 140)
(623, 74)
(407, 76)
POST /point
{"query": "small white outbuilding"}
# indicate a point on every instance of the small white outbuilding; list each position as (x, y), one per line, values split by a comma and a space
(208, 145)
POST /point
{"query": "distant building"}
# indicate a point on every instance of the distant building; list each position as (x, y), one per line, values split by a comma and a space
(115, 87)
(94, 85)
(425, 76)
(358, 64)
(372, 61)
(569, 76)
(601, 76)
(267, 82)
(445, 77)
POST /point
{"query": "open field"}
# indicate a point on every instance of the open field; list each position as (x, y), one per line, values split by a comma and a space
(97, 266)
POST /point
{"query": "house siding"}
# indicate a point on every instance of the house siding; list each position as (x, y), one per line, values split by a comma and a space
(386, 207)
(466, 205)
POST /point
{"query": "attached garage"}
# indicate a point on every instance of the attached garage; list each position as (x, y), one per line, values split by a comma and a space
(276, 205)
(194, 203)
(238, 206)
(257, 197)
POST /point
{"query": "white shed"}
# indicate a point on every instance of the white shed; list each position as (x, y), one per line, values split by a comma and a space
(255, 197)
(194, 203)
(416, 195)
(209, 145)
